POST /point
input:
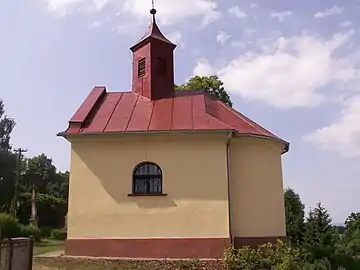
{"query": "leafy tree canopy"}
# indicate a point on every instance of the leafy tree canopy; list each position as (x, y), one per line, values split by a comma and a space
(6, 127)
(211, 84)
(40, 172)
(7, 160)
(352, 233)
(319, 235)
(294, 212)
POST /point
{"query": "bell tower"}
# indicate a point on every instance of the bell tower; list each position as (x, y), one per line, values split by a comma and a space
(153, 64)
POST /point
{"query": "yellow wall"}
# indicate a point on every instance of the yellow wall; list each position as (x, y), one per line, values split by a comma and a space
(257, 200)
(194, 177)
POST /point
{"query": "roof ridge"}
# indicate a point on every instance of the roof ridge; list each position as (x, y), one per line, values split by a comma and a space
(206, 94)
(248, 120)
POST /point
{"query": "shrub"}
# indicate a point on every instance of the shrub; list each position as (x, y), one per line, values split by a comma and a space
(189, 264)
(46, 232)
(9, 226)
(280, 256)
(29, 230)
(322, 264)
(59, 235)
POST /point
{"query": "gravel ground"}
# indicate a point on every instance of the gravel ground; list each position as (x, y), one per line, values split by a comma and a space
(66, 263)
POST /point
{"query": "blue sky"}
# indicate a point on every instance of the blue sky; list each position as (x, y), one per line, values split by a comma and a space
(292, 67)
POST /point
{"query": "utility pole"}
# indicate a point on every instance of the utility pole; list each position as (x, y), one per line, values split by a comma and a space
(19, 153)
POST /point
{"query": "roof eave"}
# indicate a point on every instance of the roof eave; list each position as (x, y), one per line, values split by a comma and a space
(286, 144)
(275, 139)
(148, 39)
(62, 134)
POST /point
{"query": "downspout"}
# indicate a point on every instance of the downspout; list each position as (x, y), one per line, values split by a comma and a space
(228, 162)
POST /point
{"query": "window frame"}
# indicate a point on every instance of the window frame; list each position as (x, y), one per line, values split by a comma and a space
(146, 178)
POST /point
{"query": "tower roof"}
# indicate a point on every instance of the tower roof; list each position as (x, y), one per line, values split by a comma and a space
(153, 33)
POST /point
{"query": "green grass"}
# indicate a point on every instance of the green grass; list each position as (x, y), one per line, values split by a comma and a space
(47, 245)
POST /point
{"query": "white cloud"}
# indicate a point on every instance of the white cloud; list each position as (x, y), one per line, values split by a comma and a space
(346, 24)
(222, 37)
(203, 68)
(65, 7)
(281, 15)
(238, 44)
(249, 32)
(177, 38)
(290, 72)
(99, 23)
(342, 136)
(209, 18)
(169, 11)
(174, 11)
(335, 10)
(254, 5)
(235, 10)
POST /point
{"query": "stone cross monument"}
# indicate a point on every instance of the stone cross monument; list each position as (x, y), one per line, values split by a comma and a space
(33, 217)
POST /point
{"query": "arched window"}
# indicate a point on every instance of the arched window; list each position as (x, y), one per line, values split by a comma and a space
(147, 179)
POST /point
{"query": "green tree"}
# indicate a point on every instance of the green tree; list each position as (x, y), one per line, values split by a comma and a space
(352, 223)
(211, 84)
(7, 160)
(40, 172)
(51, 210)
(7, 177)
(51, 187)
(294, 212)
(6, 127)
(352, 233)
(59, 186)
(319, 237)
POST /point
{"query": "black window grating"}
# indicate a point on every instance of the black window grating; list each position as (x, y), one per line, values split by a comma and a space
(141, 67)
(147, 179)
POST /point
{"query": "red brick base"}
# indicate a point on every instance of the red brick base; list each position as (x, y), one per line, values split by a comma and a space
(255, 241)
(172, 248)
(175, 248)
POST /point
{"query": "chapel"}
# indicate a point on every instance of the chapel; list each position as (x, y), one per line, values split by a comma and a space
(161, 173)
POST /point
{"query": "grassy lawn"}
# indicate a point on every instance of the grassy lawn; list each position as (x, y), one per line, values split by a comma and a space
(47, 245)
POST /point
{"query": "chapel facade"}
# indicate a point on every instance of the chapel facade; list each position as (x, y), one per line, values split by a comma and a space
(160, 173)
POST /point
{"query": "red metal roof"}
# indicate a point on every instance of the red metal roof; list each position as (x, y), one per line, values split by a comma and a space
(152, 33)
(105, 112)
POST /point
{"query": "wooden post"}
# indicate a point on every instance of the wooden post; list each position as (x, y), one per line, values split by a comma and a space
(11, 253)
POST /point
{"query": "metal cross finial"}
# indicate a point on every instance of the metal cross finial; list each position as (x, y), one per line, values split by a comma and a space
(153, 10)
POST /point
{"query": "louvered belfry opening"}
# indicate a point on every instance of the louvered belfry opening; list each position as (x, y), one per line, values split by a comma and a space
(141, 67)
